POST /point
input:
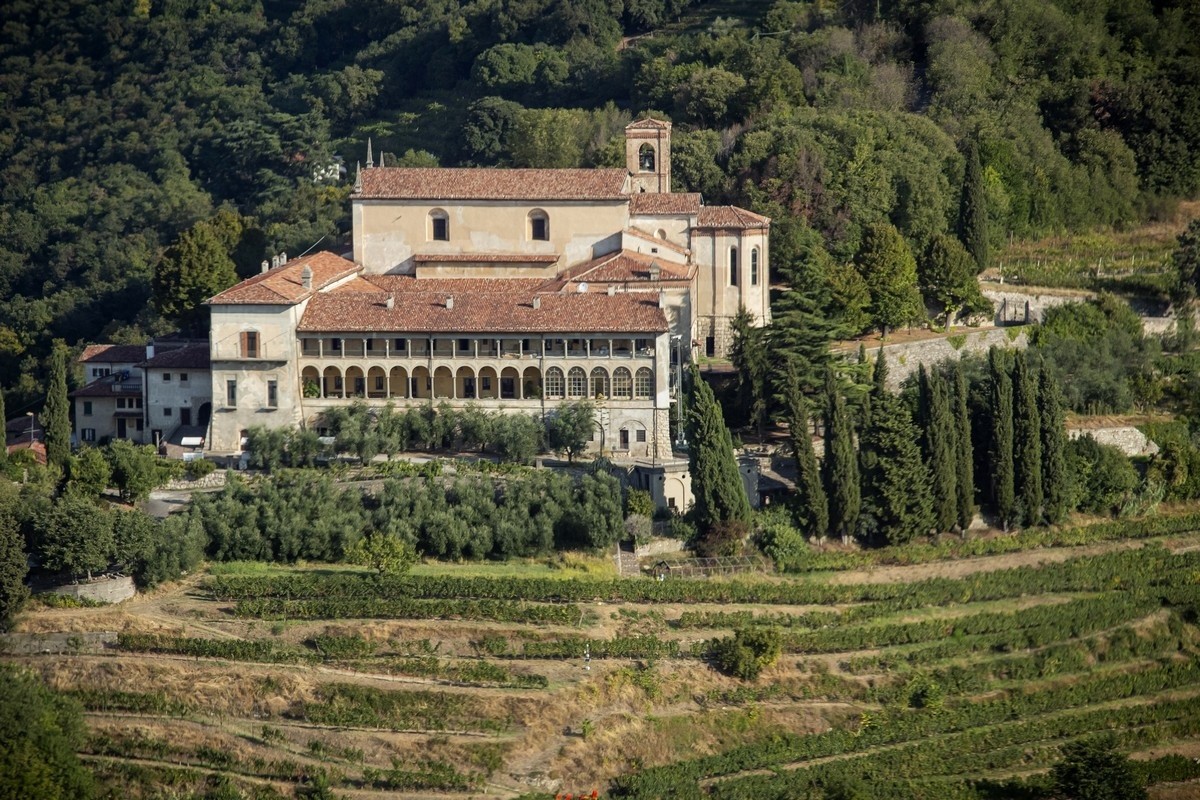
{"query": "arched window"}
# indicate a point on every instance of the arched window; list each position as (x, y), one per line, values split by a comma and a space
(754, 267)
(439, 226)
(600, 382)
(539, 226)
(576, 382)
(622, 384)
(643, 383)
(733, 266)
(554, 382)
(646, 158)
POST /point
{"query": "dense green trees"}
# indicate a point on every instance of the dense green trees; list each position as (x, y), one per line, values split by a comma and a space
(716, 482)
(972, 210)
(964, 454)
(896, 500)
(41, 733)
(890, 271)
(13, 568)
(1092, 769)
(812, 506)
(948, 278)
(1000, 442)
(1027, 443)
(1055, 481)
(839, 468)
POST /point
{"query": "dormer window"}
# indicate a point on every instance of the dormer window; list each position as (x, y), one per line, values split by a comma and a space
(646, 158)
(539, 226)
(439, 226)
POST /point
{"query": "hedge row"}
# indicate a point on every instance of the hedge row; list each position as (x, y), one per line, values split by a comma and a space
(350, 705)
(408, 608)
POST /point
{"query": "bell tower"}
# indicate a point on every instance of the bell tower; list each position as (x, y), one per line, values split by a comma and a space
(648, 155)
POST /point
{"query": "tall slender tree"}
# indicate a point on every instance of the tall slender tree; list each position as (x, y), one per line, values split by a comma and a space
(811, 503)
(1027, 443)
(752, 362)
(964, 450)
(972, 210)
(3, 421)
(890, 270)
(56, 420)
(716, 482)
(1054, 435)
(941, 444)
(879, 379)
(1001, 456)
(896, 494)
(839, 470)
(799, 335)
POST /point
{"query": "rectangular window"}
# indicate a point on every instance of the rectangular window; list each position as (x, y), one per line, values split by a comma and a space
(231, 394)
(272, 394)
(441, 229)
(335, 345)
(166, 377)
(168, 411)
(710, 346)
(486, 382)
(135, 403)
(120, 402)
(370, 345)
(464, 345)
(138, 424)
(733, 266)
(88, 434)
(87, 408)
(540, 231)
(400, 345)
(183, 377)
(250, 344)
(640, 435)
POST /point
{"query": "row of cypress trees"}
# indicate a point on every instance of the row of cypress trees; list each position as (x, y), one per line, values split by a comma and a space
(893, 472)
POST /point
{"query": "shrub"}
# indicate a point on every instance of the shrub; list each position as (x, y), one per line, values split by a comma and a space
(748, 652)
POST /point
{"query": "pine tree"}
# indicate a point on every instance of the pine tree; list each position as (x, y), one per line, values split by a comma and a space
(839, 470)
(716, 482)
(972, 210)
(751, 360)
(1027, 443)
(941, 443)
(964, 450)
(948, 277)
(896, 491)
(1001, 455)
(799, 335)
(811, 502)
(879, 379)
(56, 420)
(1054, 463)
(887, 264)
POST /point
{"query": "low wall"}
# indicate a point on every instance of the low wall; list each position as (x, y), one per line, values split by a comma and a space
(1128, 439)
(213, 480)
(1021, 308)
(905, 357)
(107, 590)
(658, 547)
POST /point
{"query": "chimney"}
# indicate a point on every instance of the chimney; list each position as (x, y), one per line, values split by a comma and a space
(450, 303)
(537, 302)
(306, 277)
(390, 303)
(662, 298)
(150, 351)
(266, 265)
(655, 271)
(274, 261)
(283, 257)
(612, 290)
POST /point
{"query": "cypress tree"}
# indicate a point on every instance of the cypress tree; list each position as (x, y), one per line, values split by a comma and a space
(716, 482)
(941, 454)
(1054, 435)
(896, 491)
(972, 210)
(810, 494)
(799, 335)
(751, 360)
(1027, 443)
(863, 369)
(840, 466)
(964, 450)
(1001, 456)
(3, 420)
(56, 418)
(879, 377)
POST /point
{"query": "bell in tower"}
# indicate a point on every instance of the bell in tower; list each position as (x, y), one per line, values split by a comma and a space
(648, 155)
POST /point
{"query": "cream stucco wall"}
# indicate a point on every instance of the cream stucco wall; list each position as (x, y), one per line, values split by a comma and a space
(388, 232)
(716, 300)
(176, 394)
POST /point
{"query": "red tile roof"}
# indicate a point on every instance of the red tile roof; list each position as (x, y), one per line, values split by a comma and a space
(480, 306)
(484, 258)
(191, 357)
(113, 353)
(437, 184)
(625, 266)
(730, 217)
(282, 285)
(649, 203)
(657, 242)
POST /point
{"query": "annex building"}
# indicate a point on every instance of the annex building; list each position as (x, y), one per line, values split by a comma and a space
(512, 289)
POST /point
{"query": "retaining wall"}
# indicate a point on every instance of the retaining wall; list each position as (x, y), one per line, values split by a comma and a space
(107, 590)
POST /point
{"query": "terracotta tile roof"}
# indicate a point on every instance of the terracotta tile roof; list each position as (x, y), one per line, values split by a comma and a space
(191, 357)
(661, 203)
(282, 285)
(484, 258)
(113, 353)
(422, 183)
(657, 242)
(496, 306)
(407, 283)
(730, 217)
(107, 387)
(648, 122)
(625, 266)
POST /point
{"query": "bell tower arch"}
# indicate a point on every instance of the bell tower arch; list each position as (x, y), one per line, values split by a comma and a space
(648, 155)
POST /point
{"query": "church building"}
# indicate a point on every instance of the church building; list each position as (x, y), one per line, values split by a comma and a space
(511, 289)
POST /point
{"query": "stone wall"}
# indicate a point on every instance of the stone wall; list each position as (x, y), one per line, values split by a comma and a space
(658, 547)
(1024, 307)
(904, 357)
(106, 590)
(1128, 439)
(213, 480)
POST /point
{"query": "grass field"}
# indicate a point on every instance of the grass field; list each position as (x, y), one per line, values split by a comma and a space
(927, 681)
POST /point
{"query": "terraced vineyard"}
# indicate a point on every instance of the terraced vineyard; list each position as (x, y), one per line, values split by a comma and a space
(914, 685)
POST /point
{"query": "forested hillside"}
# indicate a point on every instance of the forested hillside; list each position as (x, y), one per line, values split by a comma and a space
(124, 123)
